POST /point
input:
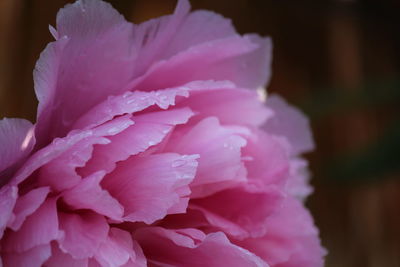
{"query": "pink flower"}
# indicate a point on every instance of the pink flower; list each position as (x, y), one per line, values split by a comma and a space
(153, 148)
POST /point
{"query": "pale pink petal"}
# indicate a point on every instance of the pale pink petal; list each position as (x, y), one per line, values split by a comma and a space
(291, 123)
(190, 247)
(240, 212)
(26, 205)
(61, 259)
(16, 142)
(60, 173)
(268, 161)
(8, 197)
(208, 100)
(82, 68)
(149, 186)
(291, 239)
(40, 228)
(59, 146)
(127, 103)
(219, 148)
(88, 194)
(161, 38)
(298, 185)
(149, 130)
(35, 256)
(83, 233)
(119, 250)
(229, 58)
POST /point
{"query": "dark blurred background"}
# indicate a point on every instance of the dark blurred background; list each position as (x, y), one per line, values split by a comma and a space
(339, 61)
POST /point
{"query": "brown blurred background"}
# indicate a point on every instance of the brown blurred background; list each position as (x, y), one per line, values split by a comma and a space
(337, 60)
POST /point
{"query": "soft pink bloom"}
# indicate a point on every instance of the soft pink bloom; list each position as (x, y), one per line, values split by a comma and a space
(153, 148)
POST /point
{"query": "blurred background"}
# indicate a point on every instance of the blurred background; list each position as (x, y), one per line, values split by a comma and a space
(339, 61)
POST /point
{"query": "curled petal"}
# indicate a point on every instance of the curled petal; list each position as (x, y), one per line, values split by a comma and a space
(149, 187)
(191, 247)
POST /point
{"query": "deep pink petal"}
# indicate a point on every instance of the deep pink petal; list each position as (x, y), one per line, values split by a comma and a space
(240, 212)
(40, 228)
(191, 247)
(88, 194)
(8, 197)
(16, 142)
(289, 122)
(149, 186)
(61, 259)
(26, 205)
(35, 256)
(83, 233)
(219, 148)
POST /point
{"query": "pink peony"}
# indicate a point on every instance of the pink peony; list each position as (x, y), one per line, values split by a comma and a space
(153, 148)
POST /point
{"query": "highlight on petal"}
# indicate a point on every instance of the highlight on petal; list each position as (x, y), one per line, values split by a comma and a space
(211, 98)
(16, 142)
(148, 187)
(191, 247)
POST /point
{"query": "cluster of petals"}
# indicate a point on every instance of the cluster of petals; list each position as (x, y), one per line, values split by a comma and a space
(152, 147)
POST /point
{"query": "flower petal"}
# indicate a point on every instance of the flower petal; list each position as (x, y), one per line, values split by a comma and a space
(40, 228)
(219, 148)
(88, 194)
(82, 67)
(8, 197)
(84, 233)
(35, 256)
(240, 212)
(16, 142)
(191, 247)
(149, 130)
(230, 105)
(128, 103)
(230, 58)
(289, 122)
(61, 259)
(268, 162)
(59, 146)
(149, 186)
(118, 250)
(291, 239)
(26, 205)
